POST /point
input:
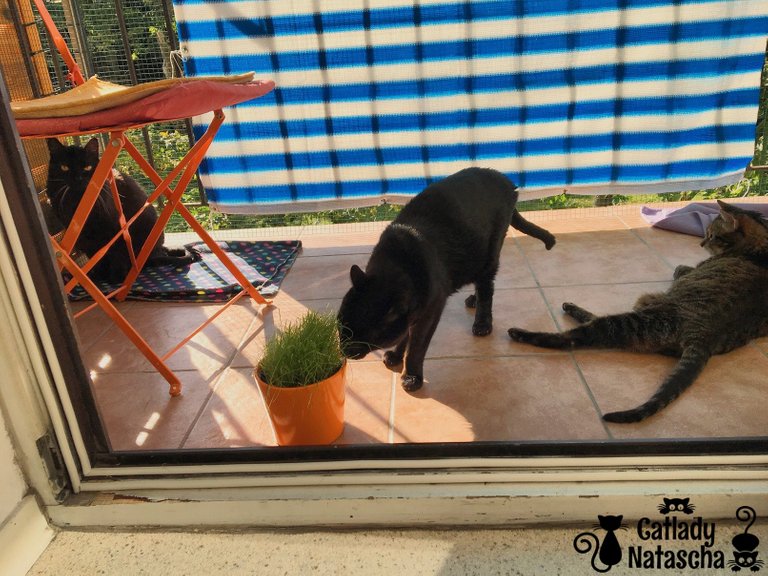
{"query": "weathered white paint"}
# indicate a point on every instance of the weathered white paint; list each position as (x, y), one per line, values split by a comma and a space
(11, 479)
(523, 504)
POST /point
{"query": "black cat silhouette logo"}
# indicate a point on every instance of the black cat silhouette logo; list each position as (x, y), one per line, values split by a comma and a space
(745, 544)
(609, 550)
(677, 505)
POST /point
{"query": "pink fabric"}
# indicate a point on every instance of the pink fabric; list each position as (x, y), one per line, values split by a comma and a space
(182, 101)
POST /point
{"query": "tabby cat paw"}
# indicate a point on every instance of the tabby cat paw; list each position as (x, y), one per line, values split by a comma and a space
(681, 270)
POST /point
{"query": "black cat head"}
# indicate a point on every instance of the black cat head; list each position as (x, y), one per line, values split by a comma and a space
(735, 231)
(373, 314)
(745, 560)
(610, 522)
(70, 167)
(677, 505)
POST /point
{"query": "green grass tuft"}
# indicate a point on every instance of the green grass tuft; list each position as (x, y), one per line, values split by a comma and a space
(305, 352)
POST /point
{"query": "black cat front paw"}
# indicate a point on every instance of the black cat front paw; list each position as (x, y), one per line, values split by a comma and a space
(392, 360)
(470, 301)
(482, 327)
(411, 383)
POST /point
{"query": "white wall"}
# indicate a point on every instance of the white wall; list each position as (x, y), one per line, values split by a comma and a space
(12, 485)
(24, 530)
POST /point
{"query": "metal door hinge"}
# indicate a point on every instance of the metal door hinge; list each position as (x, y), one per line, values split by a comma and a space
(54, 465)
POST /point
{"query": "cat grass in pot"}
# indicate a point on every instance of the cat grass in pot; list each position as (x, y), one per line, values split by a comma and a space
(302, 378)
(69, 172)
(713, 308)
(446, 237)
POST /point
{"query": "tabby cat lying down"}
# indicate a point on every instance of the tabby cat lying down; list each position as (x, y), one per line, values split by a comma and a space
(714, 308)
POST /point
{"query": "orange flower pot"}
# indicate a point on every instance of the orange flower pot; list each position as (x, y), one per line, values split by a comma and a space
(305, 415)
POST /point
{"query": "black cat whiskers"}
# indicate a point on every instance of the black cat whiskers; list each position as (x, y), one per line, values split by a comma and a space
(676, 505)
(745, 560)
(622, 526)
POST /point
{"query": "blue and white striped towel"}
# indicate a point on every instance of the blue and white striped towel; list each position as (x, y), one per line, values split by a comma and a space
(378, 98)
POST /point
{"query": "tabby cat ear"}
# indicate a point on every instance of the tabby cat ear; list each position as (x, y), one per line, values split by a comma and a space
(357, 276)
(730, 220)
(726, 207)
(92, 146)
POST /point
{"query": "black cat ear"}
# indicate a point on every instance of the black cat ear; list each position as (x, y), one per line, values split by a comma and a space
(54, 145)
(92, 146)
(357, 276)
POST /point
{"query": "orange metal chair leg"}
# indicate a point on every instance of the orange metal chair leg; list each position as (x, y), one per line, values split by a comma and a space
(92, 191)
(105, 304)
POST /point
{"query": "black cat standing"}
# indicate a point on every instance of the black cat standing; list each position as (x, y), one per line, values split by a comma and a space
(714, 308)
(446, 237)
(69, 171)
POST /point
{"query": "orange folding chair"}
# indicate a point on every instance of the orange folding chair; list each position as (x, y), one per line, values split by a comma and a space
(94, 106)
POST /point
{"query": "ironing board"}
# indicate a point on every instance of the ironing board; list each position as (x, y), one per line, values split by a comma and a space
(96, 106)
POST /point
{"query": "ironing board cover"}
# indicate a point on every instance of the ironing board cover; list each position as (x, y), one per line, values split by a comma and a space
(168, 101)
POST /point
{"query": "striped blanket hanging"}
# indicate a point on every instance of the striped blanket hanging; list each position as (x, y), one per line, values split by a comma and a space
(375, 99)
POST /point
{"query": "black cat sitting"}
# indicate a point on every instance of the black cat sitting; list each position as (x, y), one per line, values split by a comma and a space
(69, 171)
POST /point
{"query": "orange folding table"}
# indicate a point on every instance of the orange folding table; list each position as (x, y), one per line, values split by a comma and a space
(95, 106)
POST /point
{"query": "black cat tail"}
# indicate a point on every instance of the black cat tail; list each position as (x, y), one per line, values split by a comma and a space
(188, 254)
(688, 368)
(526, 227)
(175, 257)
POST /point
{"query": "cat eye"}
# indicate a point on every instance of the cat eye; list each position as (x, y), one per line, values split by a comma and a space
(64, 168)
(88, 168)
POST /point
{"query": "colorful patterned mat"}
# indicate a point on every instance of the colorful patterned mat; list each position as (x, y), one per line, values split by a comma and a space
(264, 263)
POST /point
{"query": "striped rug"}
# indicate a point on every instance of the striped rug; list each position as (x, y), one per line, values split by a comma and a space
(375, 99)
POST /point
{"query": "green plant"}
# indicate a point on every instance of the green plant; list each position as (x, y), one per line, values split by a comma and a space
(305, 352)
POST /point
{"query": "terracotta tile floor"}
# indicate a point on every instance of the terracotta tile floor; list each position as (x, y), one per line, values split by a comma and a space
(477, 389)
